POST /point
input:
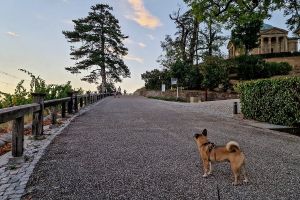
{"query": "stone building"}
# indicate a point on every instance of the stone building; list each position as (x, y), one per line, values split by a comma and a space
(272, 40)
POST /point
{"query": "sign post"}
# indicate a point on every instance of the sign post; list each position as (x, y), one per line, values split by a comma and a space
(163, 87)
(174, 81)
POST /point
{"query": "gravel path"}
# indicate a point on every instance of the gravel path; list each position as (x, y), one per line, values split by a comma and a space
(137, 148)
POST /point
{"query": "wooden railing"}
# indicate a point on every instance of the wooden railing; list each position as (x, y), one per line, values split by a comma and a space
(16, 114)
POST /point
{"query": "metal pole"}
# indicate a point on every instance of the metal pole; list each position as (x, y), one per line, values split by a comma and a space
(235, 108)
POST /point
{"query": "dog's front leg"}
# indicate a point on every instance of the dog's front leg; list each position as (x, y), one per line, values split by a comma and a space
(210, 169)
(206, 168)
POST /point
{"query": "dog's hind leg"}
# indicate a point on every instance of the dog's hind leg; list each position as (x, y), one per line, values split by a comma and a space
(244, 174)
(236, 172)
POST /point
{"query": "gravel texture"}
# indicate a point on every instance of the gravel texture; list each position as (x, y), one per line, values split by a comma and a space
(138, 148)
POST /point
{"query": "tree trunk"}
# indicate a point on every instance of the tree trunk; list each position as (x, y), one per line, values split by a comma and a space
(103, 72)
(210, 38)
(194, 41)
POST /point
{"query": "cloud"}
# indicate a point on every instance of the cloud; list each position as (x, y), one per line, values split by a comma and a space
(151, 37)
(142, 16)
(142, 45)
(134, 58)
(12, 34)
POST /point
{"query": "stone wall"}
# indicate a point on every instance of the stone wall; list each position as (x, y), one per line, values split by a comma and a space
(186, 94)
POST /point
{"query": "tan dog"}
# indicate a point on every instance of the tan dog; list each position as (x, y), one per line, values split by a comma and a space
(211, 153)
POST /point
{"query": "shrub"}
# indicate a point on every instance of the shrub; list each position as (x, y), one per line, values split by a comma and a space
(153, 79)
(275, 101)
(254, 67)
(279, 55)
(215, 72)
(273, 69)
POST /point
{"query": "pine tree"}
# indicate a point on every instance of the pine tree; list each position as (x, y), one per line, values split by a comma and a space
(99, 48)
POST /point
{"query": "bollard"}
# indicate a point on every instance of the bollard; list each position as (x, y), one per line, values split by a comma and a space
(235, 108)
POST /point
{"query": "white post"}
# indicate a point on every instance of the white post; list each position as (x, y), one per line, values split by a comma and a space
(177, 93)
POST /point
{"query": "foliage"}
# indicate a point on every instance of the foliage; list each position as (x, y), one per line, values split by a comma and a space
(279, 55)
(215, 71)
(246, 34)
(102, 47)
(292, 10)
(210, 39)
(192, 40)
(272, 100)
(155, 78)
(273, 68)
(232, 12)
(254, 67)
(188, 75)
(37, 85)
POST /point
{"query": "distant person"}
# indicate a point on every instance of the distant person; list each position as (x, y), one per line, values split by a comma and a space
(115, 92)
(119, 92)
(125, 92)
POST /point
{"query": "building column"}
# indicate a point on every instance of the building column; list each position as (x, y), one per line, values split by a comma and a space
(270, 44)
(261, 45)
(277, 45)
(285, 44)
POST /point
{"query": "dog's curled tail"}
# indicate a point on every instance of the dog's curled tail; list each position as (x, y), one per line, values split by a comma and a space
(233, 146)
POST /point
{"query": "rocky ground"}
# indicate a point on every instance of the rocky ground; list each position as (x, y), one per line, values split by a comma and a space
(138, 148)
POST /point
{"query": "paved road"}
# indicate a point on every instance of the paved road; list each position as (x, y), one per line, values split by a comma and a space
(137, 148)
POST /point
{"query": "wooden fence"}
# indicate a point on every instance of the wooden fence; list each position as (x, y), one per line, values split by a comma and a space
(16, 114)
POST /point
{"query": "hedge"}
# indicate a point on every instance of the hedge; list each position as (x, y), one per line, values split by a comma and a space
(279, 55)
(254, 67)
(276, 101)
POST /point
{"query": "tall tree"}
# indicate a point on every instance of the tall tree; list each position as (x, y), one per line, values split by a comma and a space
(193, 37)
(210, 38)
(246, 34)
(100, 49)
(292, 9)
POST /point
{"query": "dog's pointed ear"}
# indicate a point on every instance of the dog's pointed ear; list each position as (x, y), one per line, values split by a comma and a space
(204, 132)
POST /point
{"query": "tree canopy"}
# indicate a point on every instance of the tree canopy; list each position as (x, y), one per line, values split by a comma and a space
(99, 46)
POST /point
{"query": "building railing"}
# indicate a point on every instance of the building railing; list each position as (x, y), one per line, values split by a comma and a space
(16, 114)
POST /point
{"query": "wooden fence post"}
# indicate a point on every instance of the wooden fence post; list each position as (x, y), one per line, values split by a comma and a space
(63, 109)
(37, 122)
(18, 137)
(76, 101)
(70, 103)
(54, 115)
(81, 102)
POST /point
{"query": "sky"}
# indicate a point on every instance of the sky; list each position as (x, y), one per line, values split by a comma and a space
(31, 38)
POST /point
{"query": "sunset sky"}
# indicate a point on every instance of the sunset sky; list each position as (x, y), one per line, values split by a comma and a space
(31, 37)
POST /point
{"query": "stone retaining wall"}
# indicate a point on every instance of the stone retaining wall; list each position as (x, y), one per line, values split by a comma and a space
(186, 94)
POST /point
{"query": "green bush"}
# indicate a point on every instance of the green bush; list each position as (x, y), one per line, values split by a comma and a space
(254, 67)
(273, 69)
(215, 71)
(279, 55)
(275, 101)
